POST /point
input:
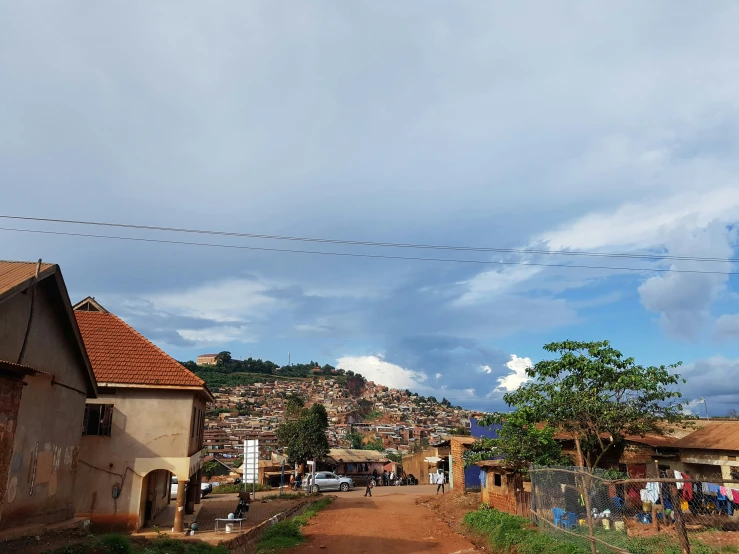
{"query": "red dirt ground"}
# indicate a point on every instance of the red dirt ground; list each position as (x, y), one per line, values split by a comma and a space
(391, 522)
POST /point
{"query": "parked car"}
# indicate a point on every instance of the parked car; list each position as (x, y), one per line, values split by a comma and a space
(327, 481)
(205, 488)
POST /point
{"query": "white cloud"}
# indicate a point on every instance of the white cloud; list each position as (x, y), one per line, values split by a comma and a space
(683, 300)
(517, 377)
(438, 376)
(225, 301)
(222, 335)
(487, 285)
(486, 369)
(727, 326)
(375, 369)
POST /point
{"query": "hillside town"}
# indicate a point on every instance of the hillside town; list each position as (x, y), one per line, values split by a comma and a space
(401, 422)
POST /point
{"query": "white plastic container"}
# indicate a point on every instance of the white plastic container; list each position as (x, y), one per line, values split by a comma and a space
(229, 528)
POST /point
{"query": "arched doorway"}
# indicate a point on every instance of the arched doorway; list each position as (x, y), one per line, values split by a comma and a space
(155, 497)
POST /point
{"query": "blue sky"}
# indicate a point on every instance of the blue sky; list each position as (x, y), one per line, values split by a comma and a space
(524, 126)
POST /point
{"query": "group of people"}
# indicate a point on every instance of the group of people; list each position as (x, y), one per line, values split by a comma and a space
(386, 479)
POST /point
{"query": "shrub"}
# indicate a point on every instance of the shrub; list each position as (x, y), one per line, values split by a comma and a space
(115, 544)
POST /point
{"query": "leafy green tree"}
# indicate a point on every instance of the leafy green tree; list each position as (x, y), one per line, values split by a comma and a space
(209, 468)
(293, 406)
(598, 397)
(393, 457)
(519, 442)
(223, 358)
(355, 440)
(375, 445)
(319, 411)
(304, 438)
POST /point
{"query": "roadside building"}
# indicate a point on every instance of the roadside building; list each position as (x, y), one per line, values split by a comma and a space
(709, 452)
(145, 426)
(503, 488)
(45, 378)
(461, 478)
(422, 465)
(207, 359)
(358, 464)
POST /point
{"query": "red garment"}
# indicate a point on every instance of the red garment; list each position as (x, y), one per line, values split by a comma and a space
(687, 489)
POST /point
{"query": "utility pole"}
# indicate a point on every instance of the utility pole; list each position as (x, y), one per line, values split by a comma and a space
(288, 359)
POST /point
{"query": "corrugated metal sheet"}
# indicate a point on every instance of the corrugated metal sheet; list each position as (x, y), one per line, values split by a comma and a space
(15, 273)
(340, 455)
(715, 435)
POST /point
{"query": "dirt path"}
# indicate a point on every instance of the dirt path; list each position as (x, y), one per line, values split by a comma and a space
(388, 523)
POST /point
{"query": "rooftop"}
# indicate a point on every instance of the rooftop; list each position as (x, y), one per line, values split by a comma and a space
(714, 435)
(13, 274)
(119, 354)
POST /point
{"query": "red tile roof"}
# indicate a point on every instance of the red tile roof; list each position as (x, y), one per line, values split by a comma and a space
(119, 354)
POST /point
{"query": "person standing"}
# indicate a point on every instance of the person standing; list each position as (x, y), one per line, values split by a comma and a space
(440, 482)
(368, 490)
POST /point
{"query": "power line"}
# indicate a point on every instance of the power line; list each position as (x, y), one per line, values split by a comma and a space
(375, 256)
(378, 244)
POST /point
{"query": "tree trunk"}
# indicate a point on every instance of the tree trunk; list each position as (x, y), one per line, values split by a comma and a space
(580, 459)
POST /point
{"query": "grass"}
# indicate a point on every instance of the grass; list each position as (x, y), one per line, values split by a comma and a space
(120, 544)
(510, 534)
(231, 487)
(285, 496)
(287, 534)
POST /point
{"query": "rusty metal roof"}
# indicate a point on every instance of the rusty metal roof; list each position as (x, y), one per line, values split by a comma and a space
(715, 435)
(14, 274)
(348, 455)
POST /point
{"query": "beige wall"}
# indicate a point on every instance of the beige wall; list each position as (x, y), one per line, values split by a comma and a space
(49, 425)
(151, 430)
(416, 464)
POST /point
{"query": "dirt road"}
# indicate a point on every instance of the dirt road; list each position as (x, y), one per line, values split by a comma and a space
(388, 523)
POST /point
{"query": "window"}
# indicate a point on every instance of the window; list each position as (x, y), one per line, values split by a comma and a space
(497, 481)
(98, 420)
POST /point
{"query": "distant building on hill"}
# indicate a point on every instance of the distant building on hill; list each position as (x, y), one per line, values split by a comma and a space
(207, 359)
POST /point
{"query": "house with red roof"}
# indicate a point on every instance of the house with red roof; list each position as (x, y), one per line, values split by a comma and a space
(45, 380)
(145, 427)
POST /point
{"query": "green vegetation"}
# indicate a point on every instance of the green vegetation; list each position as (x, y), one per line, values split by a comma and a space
(520, 442)
(287, 534)
(120, 544)
(513, 534)
(304, 438)
(209, 468)
(283, 496)
(231, 487)
(597, 396)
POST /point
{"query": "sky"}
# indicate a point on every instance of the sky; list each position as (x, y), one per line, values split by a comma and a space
(568, 126)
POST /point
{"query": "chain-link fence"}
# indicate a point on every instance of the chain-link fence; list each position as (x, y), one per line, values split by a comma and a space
(663, 515)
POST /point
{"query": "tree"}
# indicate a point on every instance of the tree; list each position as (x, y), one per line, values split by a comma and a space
(419, 445)
(319, 411)
(293, 406)
(223, 358)
(376, 445)
(355, 440)
(732, 414)
(596, 396)
(393, 457)
(305, 438)
(209, 468)
(519, 442)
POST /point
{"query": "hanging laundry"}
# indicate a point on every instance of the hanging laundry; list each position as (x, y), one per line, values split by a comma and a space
(678, 475)
(653, 492)
(735, 495)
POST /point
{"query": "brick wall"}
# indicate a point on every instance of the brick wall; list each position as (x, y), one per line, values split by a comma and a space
(247, 543)
(501, 498)
(10, 400)
(457, 449)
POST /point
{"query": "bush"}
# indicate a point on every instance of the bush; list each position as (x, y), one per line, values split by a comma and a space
(231, 487)
(172, 546)
(115, 544)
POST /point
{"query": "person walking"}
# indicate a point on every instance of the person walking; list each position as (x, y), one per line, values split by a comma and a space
(384, 477)
(368, 490)
(440, 482)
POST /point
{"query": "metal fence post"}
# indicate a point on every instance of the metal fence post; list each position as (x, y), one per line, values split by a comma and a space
(682, 533)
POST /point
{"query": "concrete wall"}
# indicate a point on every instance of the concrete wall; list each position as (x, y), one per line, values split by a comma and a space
(416, 464)
(41, 476)
(151, 430)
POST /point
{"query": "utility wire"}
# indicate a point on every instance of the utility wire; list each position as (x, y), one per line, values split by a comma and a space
(376, 256)
(380, 244)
